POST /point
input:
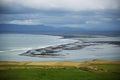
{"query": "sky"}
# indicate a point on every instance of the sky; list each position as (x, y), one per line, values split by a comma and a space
(86, 14)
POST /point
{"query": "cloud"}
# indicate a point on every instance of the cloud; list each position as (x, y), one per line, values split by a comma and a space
(106, 19)
(23, 22)
(93, 22)
(72, 5)
(66, 20)
(118, 19)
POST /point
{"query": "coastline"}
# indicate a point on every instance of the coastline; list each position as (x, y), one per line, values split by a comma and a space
(74, 51)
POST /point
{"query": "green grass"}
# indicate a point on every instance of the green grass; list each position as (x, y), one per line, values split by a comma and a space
(108, 67)
(28, 72)
(55, 74)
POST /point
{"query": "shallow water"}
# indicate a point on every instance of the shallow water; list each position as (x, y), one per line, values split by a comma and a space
(11, 45)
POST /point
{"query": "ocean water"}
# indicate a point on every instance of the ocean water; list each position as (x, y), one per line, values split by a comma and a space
(15, 42)
(11, 45)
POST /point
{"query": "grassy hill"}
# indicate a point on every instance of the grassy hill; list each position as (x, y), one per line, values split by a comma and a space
(91, 70)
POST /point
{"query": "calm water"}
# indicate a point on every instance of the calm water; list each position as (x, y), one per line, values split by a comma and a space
(11, 45)
(15, 42)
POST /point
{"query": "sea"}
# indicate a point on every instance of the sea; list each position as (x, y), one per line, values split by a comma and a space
(12, 45)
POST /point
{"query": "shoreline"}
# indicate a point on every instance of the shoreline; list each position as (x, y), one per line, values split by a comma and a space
(59, 50)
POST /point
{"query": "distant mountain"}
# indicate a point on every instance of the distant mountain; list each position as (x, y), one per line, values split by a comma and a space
(42, 29)
(37, 29)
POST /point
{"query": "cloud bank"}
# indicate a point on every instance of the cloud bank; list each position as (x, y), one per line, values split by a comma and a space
(24, 22)
(86, 14)
(72, 5)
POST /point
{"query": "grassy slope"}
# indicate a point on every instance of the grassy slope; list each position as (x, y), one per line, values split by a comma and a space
(100, 70)
(55, 74)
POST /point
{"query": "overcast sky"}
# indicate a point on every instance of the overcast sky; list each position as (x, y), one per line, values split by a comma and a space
(88, 14)
(73, 5)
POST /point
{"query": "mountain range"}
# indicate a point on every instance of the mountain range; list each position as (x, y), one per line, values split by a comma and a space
(42, 29)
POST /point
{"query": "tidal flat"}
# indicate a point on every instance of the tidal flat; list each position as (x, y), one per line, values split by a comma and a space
(48, 48)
